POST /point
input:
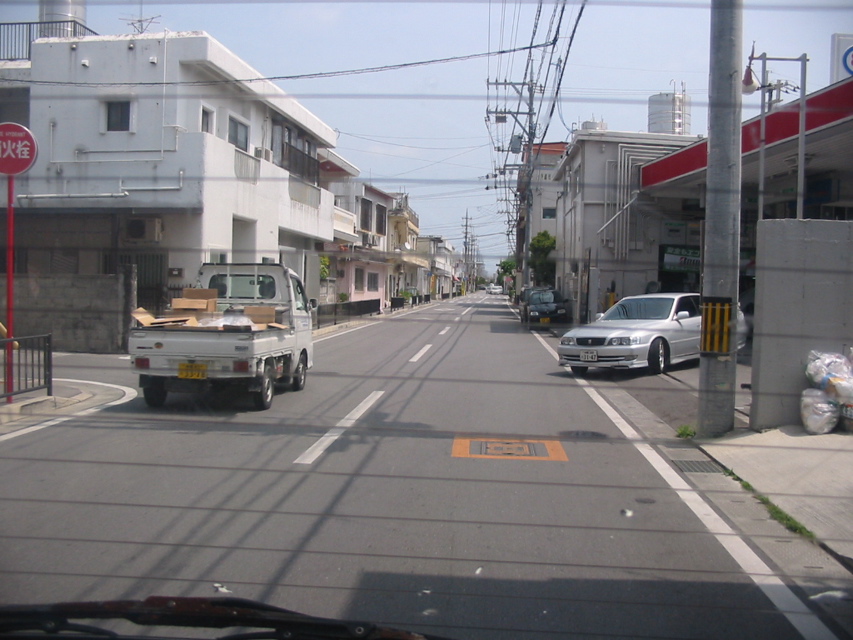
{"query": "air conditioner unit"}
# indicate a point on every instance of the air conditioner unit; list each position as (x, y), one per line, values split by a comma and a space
(263, 153)
(143, 230)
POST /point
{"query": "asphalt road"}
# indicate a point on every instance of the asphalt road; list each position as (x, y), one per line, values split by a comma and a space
(438, 473)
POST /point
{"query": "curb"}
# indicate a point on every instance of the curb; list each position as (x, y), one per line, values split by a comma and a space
(31, 406)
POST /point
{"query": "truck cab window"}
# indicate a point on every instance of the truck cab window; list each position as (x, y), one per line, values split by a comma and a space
(301, 301)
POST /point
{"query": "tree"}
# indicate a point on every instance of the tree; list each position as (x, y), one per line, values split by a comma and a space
(506, 268)
(544, 268)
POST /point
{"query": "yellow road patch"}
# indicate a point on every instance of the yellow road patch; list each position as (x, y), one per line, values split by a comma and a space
(503, 448)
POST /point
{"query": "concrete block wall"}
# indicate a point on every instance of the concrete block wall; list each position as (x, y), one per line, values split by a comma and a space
(85, 313)
(803, 302)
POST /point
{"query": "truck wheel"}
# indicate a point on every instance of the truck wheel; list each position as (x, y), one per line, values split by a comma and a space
(263, 398)
(301, 373)
(155, 393)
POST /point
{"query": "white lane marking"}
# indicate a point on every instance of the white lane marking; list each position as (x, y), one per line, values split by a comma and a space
(467, 309)
(128, 395)
(343, 333)
(457, 318)
(420, 353)
(315, 450)
(443, 331)
(797, 613)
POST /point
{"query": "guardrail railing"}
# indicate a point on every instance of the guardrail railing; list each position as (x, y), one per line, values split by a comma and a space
(26, 364)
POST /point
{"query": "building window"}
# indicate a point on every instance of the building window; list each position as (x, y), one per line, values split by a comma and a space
(373, 281)
(118, 115)
(366, 215)
(238, 134)
(381, 216)
(359, 279)
(549, 213)
(206, 120)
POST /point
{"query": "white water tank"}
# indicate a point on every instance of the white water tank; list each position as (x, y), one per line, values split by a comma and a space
(669, 113)
(64, 11)
(594, 125)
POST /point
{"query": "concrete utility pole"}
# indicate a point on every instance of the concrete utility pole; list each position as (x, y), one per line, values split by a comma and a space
(718, 360)
(526, 92)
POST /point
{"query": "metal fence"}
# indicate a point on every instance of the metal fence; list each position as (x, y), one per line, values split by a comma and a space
(27, 365)
(331, 314)
(16, 38)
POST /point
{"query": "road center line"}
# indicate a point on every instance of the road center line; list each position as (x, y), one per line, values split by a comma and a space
(797, 613)
(420, 353)
(316, 450)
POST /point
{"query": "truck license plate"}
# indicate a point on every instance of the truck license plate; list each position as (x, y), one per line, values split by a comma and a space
(192, 370)
(589, 356)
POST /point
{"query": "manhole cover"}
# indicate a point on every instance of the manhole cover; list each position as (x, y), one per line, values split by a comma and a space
(494, 448)
(698, 466)
(507, 449)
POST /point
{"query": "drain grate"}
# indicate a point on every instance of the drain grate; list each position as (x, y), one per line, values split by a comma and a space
(698, 466)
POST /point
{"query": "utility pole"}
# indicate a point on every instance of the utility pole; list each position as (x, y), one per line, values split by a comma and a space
(525, 91)
(718, 360)
(466, 249)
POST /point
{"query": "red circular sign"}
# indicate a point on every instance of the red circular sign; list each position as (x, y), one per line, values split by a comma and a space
(18, 148)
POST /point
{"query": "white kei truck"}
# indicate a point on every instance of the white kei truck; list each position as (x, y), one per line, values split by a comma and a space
(246, 325)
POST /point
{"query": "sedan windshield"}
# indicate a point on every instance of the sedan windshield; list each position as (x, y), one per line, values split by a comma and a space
(640, 309)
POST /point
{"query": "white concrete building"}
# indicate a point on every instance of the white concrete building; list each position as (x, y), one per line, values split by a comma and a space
(163, 150)
(442, 265)
(611, 242)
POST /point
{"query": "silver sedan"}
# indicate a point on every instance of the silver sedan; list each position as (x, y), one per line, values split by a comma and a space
(653, 330)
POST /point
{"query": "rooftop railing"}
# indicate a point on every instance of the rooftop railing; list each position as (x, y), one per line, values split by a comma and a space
(16, 38)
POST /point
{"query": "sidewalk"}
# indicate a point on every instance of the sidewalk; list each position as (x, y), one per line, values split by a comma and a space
(809, 477)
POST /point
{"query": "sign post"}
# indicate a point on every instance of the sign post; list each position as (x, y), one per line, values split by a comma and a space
(18, 150)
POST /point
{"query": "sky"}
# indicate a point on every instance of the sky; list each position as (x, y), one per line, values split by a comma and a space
(422, 128)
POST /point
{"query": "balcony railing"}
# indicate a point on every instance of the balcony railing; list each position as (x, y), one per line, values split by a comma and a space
(307, 194)
(301, 164)
(247, 168)
(16, 38)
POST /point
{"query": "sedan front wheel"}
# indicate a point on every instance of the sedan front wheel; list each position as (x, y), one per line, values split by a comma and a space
(658, 356)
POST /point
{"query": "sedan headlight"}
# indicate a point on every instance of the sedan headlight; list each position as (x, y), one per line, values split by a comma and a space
(534, 313)
(559, 311)
(624, 341)
(567, 340)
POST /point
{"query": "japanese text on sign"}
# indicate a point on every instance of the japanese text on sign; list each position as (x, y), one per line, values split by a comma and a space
(17, 148)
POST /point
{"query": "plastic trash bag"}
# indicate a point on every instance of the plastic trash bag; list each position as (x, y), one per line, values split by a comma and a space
(819, 412)
(823, 368)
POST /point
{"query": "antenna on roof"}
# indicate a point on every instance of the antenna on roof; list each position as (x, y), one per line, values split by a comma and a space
(141, 25)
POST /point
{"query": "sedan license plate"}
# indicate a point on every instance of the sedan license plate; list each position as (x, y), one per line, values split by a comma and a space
(192, 370)
(589, 356)
(545, 320)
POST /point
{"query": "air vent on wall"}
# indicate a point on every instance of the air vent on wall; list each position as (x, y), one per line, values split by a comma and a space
(143, 230)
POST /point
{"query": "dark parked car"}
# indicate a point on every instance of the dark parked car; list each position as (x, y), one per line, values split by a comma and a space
(547, 306)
